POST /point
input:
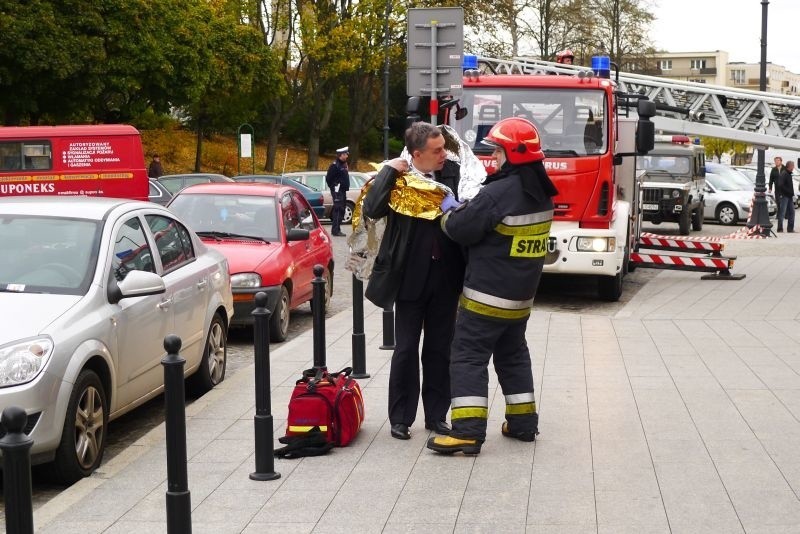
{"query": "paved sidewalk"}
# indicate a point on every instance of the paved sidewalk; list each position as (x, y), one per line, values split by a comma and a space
(679, 414)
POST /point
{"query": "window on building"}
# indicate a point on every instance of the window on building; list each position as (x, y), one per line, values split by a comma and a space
(737, 75)
(665, 64)
(698, 63)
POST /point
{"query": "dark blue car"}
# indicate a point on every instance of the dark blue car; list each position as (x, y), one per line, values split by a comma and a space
(313, 196)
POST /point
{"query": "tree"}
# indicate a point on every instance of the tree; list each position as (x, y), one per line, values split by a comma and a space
(621, 27)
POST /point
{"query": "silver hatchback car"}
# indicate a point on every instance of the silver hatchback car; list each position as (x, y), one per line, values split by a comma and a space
(89, 288)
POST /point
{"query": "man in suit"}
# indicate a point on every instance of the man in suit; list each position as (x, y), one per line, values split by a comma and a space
(420, 271)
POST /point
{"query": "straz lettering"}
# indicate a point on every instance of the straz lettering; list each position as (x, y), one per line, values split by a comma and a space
(529, 246)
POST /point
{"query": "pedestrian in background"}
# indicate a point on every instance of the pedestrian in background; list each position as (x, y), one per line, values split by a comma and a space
(338, 180)
(420, 271)
(155, 170)
(784, 190)
(505, 229)
(774, 174)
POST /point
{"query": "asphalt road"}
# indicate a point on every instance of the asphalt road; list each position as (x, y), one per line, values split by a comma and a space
(555, 294)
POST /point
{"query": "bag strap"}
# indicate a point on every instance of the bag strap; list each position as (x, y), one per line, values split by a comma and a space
(345, 371)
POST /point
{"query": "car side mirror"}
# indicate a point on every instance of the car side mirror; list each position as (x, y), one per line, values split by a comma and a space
(135, 284)
(297, 234)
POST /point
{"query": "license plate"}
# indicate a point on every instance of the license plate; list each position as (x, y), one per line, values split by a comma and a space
(551, 245)
(650, 207)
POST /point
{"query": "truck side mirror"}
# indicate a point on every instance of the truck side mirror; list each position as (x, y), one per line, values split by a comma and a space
(646, 109)
(645, 136)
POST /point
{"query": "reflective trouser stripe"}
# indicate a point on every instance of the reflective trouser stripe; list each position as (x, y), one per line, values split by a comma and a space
(469, 407)
(492, 311)
(521, 409)
(497, 302)
(518, 398)
(471, 412)
(293, 428)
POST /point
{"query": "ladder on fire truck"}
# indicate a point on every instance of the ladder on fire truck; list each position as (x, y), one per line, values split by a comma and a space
(753, 117)
(682, 107)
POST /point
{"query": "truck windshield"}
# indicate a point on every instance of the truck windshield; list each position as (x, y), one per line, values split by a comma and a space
(670, 164)
(571, 123)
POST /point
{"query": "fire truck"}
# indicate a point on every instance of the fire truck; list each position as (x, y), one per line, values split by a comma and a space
(592, 123)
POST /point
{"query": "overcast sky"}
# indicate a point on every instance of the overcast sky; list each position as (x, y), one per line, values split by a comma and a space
(730, 25)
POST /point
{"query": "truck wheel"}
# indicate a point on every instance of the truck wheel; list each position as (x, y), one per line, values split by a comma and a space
(609, 288)
(697, 218)
(685, 222)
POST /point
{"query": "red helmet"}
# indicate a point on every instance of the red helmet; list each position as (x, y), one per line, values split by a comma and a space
(518, 137)
(566, 53)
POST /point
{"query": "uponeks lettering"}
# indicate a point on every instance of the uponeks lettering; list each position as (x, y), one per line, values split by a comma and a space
(23, 189)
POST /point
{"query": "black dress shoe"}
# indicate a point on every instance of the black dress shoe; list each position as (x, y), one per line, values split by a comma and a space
(340, 234)
(400, 431)
(440, 427)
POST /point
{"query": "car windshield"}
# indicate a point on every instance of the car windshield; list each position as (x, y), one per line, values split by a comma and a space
(670, 164)
(220, 215)
(721, 183)
(48, 254)
(731, 175)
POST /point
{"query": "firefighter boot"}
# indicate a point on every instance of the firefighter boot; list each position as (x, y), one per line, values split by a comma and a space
(449, 445)
(522, 436)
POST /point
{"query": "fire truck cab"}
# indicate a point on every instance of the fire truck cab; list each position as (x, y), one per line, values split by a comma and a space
(589, 139)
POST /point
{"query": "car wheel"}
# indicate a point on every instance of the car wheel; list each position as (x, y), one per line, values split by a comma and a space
(697, 218)
(727, 214)
(348, 212)
(279, 320)
(83, 438)
(215, 357)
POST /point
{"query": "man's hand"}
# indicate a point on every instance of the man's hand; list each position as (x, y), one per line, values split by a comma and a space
(398, 164)
(449, 203)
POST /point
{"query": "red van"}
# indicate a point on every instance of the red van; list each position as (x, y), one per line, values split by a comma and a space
(94, 160)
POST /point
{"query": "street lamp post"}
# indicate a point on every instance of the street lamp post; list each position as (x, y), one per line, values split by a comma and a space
(760, 215)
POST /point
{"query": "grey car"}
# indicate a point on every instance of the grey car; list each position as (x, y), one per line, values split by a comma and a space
(176, 182)
(89, 289)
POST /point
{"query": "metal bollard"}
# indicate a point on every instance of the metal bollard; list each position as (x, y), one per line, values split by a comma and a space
(262, 421)
(388, 329)
(179, 503)
(359, 338)
(318, 318)
(16, 447)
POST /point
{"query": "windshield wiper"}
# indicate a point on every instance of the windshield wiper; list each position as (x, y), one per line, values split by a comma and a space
(219, 236)
(554, 152)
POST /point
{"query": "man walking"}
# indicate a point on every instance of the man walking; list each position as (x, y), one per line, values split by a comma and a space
(338, 180)
(784, 190)
(774, 173)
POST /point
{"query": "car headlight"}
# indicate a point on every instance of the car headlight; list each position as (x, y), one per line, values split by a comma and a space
(676, 193)
(20, 362)
(245, 280)
(596, 244)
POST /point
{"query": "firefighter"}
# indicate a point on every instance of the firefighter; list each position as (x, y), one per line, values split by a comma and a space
(505, 229)
(566, 57)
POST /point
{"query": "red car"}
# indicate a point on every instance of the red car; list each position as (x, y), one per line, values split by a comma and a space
(271, 238)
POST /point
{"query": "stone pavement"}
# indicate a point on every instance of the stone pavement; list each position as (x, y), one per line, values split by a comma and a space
(679, 414)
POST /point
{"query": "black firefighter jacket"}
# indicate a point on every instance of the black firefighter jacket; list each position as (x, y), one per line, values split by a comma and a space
(401, 267)
(505, 229)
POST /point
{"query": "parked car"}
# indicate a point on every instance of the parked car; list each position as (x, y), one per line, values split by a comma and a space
(89, 288)
(272, 242)
(750, 172)
(728, 202)
(158, 193)
(316, 179)
(176, 182)
(314, 197)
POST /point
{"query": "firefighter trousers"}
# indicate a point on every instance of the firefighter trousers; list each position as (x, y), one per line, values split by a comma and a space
(476, 339)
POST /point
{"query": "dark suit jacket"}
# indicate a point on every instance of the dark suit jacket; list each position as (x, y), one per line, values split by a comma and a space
(406, 250)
